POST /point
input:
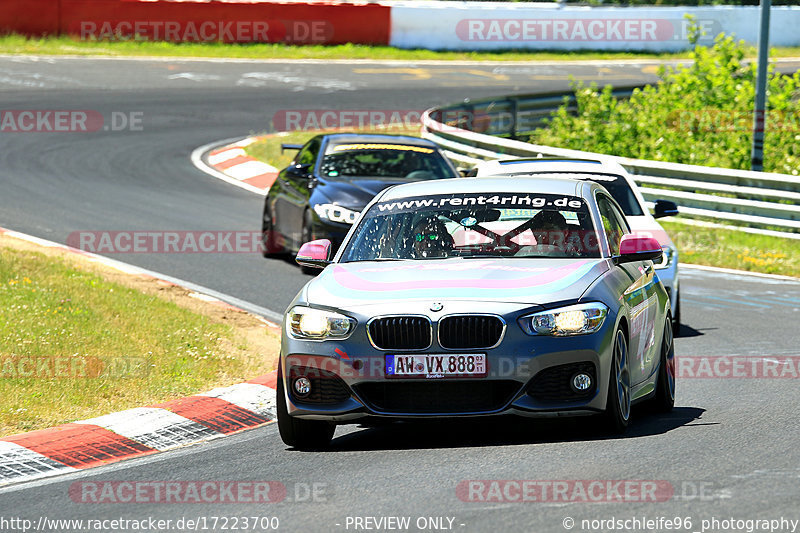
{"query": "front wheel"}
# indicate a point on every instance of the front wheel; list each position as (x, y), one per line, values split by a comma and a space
(664, 400)
(676, 321)
(618, 402)
(269, 238)
(299, 433)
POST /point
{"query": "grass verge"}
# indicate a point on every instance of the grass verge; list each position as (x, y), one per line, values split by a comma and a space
(65, 45)
(268, 148)
(721, 247)
(80, 340)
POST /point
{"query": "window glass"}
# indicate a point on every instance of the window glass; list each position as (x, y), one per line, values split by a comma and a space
(614, 224)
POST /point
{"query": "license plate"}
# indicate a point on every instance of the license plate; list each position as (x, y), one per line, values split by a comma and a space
(434, 366)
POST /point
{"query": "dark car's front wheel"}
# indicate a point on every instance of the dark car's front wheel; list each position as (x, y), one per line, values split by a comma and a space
(299, 433)
(269, 240)
(618, 402)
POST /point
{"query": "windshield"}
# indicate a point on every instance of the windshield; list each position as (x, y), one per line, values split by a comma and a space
(475, 225)
(617, 186)
(384, 160)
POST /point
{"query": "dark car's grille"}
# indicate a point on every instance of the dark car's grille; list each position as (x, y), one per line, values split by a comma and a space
(554, 384)
(326, 387)
(470, 331)
(400, 333)
(438, 396)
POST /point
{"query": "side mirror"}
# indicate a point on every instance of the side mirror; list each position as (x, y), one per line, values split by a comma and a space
(316, 254)
(301, 171)
(286, 146)
(468, 172)
(635, 248)
(665, 208)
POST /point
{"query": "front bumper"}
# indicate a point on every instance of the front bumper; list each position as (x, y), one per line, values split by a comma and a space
(527, 375)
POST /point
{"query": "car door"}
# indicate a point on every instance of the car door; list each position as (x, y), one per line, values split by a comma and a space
(639, 296)
(294, 183)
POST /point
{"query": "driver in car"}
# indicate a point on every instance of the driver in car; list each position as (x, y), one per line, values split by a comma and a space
(431, 238)
(550, 230)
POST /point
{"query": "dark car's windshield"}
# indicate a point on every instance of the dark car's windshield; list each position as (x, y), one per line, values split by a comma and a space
(385, 160)
(475, 225)
(617, 186)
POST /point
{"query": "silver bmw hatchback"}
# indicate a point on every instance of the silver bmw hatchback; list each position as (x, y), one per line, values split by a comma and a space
(477, 297)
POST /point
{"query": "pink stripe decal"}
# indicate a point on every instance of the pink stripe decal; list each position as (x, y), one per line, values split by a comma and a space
(352, 281)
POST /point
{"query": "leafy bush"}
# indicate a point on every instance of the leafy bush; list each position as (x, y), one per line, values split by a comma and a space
(699, 113)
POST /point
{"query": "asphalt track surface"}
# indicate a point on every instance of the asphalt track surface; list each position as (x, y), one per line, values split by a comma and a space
(729, 449)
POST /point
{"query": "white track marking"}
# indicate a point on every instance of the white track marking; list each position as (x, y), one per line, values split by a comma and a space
(154, 427)
(226, 155)
(250, 169)
(18, 463)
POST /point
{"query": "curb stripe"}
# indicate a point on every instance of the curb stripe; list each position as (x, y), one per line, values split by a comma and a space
(256, 398)
(263, 181)
(249, 169)
(233, 161)
(215, 413)
(80, 445)
(268, 380)
(155, 428)
(18, 462)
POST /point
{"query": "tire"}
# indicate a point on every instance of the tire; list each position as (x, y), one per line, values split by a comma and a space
(308, 235)
(618, 402)
(299, 433)
(676, 321)
(664, 399)
(270, 248)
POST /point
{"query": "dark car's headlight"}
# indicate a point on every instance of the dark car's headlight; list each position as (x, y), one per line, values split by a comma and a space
(309, 323)
(336, 213)
(667, 256)
(578, 319)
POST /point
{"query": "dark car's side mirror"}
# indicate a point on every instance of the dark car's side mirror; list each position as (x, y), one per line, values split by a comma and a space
(300, 171)
(468, 172)
(315, 254)
(665, 208)
(287, 146)
(635, 248)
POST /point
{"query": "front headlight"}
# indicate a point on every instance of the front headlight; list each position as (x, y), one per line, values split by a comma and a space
(308, 323)
(579, 319)
(336, 213)
(667, 255)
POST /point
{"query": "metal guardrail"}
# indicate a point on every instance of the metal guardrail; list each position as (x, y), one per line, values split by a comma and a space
(478, 130)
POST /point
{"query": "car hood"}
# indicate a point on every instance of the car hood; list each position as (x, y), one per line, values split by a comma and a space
(520, 281)
(649, 226)
(353, 194)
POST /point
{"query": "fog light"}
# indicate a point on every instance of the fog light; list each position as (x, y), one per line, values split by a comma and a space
(581, 382)
(302, 386)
